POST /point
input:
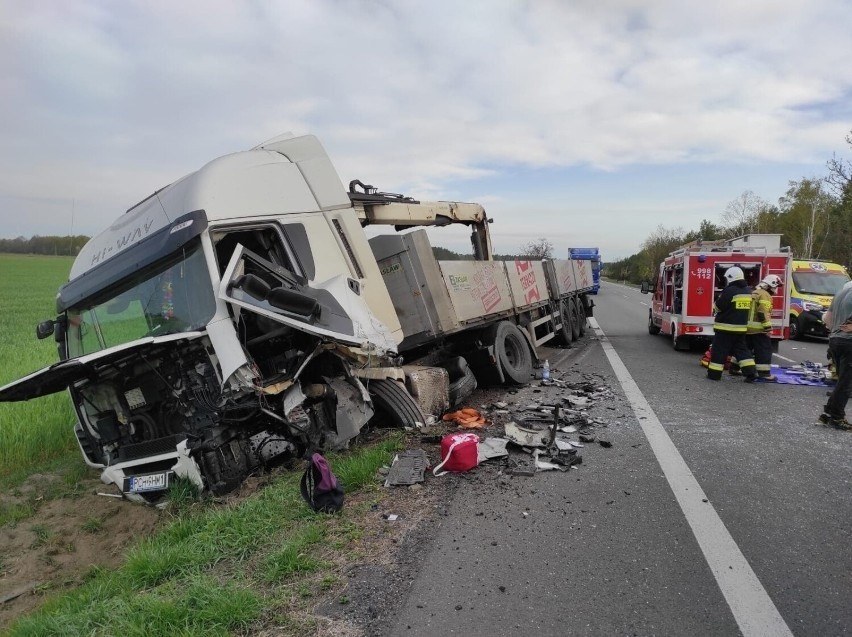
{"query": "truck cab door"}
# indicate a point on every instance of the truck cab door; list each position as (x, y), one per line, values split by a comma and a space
(332, 310)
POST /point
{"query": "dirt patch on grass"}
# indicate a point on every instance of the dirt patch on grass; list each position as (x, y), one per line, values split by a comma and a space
(65, 536)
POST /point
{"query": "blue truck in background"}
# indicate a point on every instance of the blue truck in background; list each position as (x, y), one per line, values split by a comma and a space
(594, 255)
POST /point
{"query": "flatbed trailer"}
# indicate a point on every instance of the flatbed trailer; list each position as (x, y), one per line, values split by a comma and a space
(436, 300)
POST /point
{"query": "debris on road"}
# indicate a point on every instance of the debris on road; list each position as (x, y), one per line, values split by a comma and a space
(493, 448)
(407, 468)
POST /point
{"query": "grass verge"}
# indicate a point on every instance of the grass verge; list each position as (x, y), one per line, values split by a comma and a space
(218, 569)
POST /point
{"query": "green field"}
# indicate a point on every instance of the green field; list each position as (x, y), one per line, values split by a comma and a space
(36, 431)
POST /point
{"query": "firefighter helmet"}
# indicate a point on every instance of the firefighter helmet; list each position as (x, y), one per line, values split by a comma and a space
(734, 274)
(772, 281)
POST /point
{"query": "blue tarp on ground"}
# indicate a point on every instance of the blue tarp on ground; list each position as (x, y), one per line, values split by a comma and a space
(798, 376)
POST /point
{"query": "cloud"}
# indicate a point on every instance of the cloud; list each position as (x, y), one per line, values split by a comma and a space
(106, 102)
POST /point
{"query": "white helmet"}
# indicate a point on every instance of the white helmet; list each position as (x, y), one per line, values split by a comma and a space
(734, 274)
(772, 281)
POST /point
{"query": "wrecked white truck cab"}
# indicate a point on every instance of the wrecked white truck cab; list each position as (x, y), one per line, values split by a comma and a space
(240, 317)
(228, 321)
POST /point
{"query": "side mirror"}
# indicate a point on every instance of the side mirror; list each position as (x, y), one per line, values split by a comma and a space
(646, 287)
(45, 329)
(293, 302)
(252, 285)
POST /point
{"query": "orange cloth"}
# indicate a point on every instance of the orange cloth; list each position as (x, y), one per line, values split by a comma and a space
(467, 418)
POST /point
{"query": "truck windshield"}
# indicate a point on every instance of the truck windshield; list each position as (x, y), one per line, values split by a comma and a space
(175, 295)
(822, 283)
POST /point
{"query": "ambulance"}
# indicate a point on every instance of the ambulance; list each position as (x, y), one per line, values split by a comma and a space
(691, 278)
(812, 287)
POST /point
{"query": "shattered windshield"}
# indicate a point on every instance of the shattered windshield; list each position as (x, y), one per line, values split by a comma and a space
(821, 283)
(174, 296)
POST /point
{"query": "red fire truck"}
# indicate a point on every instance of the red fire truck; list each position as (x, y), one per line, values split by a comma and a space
(691, 278)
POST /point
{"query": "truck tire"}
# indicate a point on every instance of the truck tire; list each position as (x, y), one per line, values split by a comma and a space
(463, 387)
(581, 316)
(575, 319)
(565, 332)
(512, 352)
(393, 404)
(653, 330)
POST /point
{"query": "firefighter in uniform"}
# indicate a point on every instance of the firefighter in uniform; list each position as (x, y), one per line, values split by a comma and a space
(731, 320)
(760, 324)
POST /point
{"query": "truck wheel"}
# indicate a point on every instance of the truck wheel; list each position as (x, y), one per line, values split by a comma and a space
(575, 321)
(462, 387)
(394, 405)
(512, 352)
(581, 317)
(566, 317)
(653, 330)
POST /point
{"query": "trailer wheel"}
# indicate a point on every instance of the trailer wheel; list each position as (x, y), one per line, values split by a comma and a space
(565, 318)
(575, 319)
(653, 330)
(394, 405)
(581, 316)
(512, 352)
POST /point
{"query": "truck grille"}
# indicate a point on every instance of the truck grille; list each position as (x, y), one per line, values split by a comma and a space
(150, 447)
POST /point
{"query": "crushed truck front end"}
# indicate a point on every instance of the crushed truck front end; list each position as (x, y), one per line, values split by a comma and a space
(229, 322)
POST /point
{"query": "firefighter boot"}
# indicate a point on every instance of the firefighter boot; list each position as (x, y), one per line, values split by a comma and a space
(767, 377)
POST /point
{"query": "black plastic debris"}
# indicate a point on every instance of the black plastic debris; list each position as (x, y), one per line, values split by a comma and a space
(408, 468)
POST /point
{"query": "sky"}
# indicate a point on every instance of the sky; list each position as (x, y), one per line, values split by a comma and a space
(586, 122)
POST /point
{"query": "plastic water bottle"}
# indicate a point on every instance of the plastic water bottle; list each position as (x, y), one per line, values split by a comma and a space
(545, 371)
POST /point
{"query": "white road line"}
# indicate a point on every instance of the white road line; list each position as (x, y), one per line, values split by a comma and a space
(643, 303)
(784, 358)
(753, 609)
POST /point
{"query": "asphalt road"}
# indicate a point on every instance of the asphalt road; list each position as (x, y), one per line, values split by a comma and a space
(720, 509)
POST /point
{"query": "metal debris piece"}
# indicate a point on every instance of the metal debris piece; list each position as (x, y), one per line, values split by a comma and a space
(543, 465)
(408, 468)
(586, 438)
(569, 429)
(492, 448)
(526, 436)
(604, 443)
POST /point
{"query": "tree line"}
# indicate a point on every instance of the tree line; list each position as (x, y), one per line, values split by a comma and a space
(814, 218)
(69, 245)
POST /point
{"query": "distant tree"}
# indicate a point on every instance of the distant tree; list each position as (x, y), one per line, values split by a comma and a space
(747, 214)
(541, 248)
(806, 221)
(55, 245)
(838, 244)
(657, 246)
(445, 254)
(839, 179)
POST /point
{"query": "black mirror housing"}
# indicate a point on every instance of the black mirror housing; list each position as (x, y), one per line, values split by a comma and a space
(294, 302)
(646, 287)
(45, 329)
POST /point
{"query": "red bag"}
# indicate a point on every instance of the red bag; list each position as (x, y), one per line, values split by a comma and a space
(459, 452)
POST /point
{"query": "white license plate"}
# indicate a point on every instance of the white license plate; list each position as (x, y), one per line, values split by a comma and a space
(150, 482)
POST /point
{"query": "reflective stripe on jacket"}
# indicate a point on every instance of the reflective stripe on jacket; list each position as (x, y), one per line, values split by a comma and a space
(732, 308)
(760, 314)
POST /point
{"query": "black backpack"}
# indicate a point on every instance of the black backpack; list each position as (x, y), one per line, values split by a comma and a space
(319, 486)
